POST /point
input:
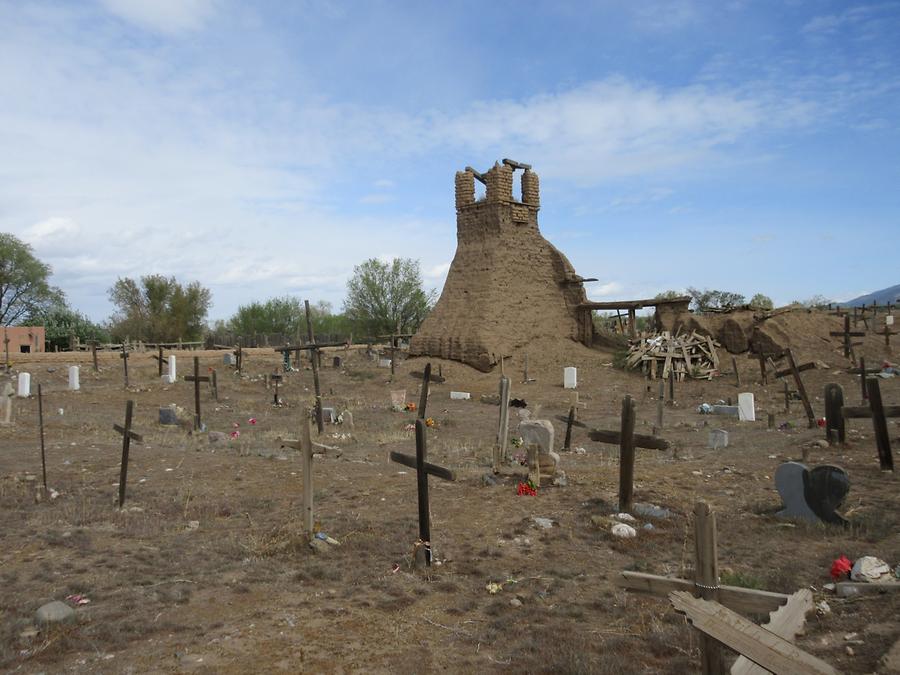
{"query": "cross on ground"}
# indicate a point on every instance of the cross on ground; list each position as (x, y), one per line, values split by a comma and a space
(127, 436)
(124, 356)
(196, 379)
(627, 441)
(847, 334)
(423, 470)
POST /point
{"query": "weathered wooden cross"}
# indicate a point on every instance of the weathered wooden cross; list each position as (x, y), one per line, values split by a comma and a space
(124, 357)
(6, 348)
(160, 360)
(837, 414)
(794, 370)
(503, 425)
(196, 378)
(127, 436)
(627, 441)
(304, 445)
(847, 334)
(239, 358)
(423, 470)
(706, 585)
(214, 384)
(94, 355)
(276, 380)
(887, 332)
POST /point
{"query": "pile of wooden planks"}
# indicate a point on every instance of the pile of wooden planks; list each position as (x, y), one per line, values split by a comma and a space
(685, 355)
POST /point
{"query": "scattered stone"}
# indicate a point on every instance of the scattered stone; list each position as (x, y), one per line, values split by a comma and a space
(490, 399)
(543, 523)
(560, 480)
(318, 546)
(625, 517)
(488, 480)
(869, 568)
(623, 531)
(515, 602)
(651, 511)
(54, 612)
(601, 522)
(216, 436)
(649, 526)
(823, 608)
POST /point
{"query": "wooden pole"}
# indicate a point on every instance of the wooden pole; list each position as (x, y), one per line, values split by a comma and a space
(320, 421)
(160, 359)
(423, 396)
(737, 373)
(707, 581)
(568, 442)
(626, 456)
(41, 424)
(847, 333)
(503, 428)
(810, 415)
(197, 393)
(862, 378)
(525, 380)
(660, 401)
(672, 386)
(308, 519)
(882, 438)
(125, 362)
(94, 355)
(126, 444)
(787, 397)
(764, 377)
(422, 486)
(834, 416)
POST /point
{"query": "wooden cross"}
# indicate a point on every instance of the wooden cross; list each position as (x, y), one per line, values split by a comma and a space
(127, 436)
(124, 357)
(423, 470)
(276, 379)
(239, 358)
(706, 585)
(503, 428)
(887, 332)
(627, 441)
(837, 414)
(159, 358)
(196, 379)
(214, 384)
(794, 370)
(847, 334)
(320, 421)
(94, 355)
(6, 346)
(304, 445)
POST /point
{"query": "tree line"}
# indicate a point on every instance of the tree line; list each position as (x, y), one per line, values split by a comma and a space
(382, 298)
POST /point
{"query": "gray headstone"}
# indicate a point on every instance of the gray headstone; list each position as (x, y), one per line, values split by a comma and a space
(539, 433)
(168, 415)
(718, 438)
(329, 415)
(789, 480)
(725, 410)
(347, 416)
(54, 612)
(228, 359)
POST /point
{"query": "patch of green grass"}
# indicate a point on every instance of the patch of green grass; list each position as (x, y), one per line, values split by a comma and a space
(741, 579)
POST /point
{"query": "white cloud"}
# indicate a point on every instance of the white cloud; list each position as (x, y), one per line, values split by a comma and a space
(45, 231)
(437, 271)
(164, 16)
(604, 290)
(377, 198)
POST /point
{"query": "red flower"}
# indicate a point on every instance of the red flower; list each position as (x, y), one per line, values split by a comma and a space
(841, 567)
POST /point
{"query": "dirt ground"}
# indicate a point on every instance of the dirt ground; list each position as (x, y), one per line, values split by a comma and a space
(206, 569)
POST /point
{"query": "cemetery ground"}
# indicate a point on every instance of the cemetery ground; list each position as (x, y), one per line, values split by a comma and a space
(207, 568)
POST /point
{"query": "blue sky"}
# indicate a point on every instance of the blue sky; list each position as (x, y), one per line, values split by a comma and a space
(266, 148)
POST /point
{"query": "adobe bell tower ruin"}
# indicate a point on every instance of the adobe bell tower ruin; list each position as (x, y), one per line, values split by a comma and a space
(507, 285)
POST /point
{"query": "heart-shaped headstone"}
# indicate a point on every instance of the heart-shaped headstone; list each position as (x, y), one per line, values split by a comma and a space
(812, 495)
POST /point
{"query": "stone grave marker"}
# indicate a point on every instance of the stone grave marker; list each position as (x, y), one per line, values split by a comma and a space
(74, 384)
(538, 438)
(746, 407)
(812, 495)
(228, 359)
(718, 438)
(6, 404)
(570, 377)
(170, 376)
(24, 389)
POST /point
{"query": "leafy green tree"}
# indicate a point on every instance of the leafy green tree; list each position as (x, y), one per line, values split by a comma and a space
(760, 301)
(61, 321)
(668, 295)
(706, 300)
(277, 315)
(25, 291)
(159, 308)
(814, 301)
(385, 297)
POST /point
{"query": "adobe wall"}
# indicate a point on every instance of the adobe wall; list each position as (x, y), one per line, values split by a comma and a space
(31, 337)
(507, 285)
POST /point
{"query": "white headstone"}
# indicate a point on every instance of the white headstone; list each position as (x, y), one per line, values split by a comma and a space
(24, 390)
(460, 395)
(74, 384)
(570, 377)
(889, 320)
(384, 363)
(746, 407)
(171, 374)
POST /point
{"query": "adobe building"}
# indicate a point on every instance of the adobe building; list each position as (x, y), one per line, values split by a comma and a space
(507, 285)
(23, 339)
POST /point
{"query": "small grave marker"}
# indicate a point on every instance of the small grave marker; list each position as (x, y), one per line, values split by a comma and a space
(74, 384)
(812, 495)
(423, 470)
(6, 404)
(746, 407)
(127, 436)
(24, 389)
(276, 380)
(41, 425)
(570, 377)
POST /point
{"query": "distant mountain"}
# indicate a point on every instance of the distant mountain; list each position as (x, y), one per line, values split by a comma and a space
(882, 297)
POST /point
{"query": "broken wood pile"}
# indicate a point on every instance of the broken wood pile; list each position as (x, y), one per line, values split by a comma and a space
(683, 355)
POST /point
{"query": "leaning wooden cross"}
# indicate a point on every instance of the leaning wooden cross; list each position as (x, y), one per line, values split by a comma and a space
(124, 356)
(305, 446)
(127, 436)
(627, 441)
(837, 414)
(196, 379)
(782, 625)
(847, 334)
(423, 470)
